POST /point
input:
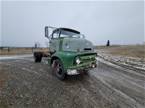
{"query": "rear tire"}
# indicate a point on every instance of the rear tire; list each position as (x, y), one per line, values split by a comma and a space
(37, 57)
(58, 69)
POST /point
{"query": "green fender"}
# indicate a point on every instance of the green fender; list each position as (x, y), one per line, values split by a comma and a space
(67, 58)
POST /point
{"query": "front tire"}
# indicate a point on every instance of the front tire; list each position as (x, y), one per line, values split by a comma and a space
(58, 69)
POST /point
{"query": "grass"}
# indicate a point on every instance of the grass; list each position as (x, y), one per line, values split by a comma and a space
(19, 51)
(137, 51)
(123, 50)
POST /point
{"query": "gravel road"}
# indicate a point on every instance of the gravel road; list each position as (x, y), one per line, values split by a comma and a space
(25, 84)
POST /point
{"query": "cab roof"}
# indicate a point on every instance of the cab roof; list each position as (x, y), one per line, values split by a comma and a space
(67, 29)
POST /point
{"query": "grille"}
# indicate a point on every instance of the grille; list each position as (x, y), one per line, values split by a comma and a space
(87, 58)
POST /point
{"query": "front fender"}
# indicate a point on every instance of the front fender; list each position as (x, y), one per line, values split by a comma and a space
(67, 58)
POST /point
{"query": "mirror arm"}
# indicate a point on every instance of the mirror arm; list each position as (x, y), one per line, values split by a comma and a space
(47, 31)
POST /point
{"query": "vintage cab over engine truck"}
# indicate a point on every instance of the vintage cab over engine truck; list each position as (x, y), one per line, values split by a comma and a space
(69, 52)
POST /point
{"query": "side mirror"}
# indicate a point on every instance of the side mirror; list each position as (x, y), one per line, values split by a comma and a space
(49, 31)
(46, 32)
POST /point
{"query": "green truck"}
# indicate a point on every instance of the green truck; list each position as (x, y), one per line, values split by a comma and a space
(69, 52)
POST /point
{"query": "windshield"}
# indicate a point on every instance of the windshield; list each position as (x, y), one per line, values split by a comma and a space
(66, 33)
(70, 33)
(72, 36)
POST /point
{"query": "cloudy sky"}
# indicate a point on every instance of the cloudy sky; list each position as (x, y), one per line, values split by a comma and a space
(22, 22)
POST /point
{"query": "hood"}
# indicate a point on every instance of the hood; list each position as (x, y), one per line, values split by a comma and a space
(77, 45)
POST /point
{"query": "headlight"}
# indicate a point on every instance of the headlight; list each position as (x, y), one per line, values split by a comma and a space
(78, 61)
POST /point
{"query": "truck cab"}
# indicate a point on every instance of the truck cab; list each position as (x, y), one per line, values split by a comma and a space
(70, 52)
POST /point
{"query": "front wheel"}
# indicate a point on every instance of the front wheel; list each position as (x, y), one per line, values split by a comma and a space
(57, 69)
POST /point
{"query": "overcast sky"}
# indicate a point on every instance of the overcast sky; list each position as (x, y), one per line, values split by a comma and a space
(23, 22)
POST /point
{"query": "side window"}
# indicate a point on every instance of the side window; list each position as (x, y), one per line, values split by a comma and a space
(55, 34)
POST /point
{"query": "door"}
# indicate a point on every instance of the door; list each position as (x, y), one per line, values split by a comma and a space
(55, 41)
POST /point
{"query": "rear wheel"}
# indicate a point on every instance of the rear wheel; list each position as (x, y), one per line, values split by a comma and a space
(38, 59)
(57, 69)
(37, 56)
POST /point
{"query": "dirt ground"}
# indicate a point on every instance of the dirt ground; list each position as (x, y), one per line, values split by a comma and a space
(25, 84)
